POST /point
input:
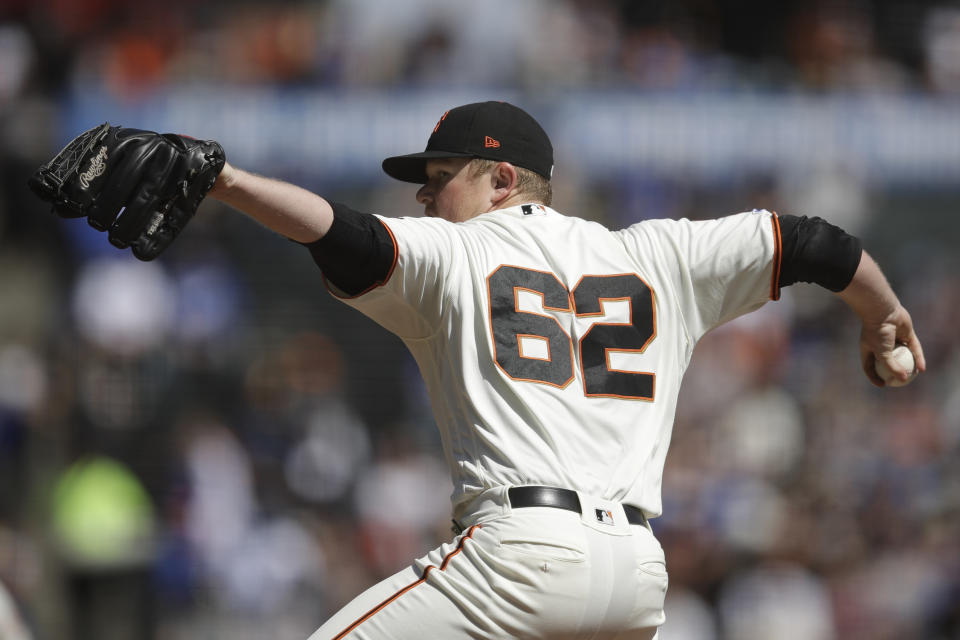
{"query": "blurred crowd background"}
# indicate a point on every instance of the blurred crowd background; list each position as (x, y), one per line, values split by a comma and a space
(210, 446)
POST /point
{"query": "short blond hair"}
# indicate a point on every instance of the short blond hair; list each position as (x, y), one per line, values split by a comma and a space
(530, 184)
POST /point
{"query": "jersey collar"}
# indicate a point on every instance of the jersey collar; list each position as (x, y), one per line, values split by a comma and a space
(525, 210)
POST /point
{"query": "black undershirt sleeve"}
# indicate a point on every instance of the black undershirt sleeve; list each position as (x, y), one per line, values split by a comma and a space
(357, 253)
(813, 250)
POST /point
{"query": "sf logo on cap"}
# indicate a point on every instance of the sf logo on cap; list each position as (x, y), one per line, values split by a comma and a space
(442, 118)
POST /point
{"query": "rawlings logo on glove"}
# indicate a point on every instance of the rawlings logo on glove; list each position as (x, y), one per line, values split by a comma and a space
(141, 187)
(97, 167)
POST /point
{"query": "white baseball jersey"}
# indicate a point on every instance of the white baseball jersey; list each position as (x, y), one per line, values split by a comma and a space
(553, 348)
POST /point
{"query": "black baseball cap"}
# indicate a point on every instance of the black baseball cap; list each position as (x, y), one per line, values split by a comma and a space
(490, 130)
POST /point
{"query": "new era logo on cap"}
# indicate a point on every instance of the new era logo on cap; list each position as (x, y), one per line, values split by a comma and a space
(491, 130)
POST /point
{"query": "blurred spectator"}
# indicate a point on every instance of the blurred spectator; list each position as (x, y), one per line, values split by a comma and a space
(275, 560)
(16, 60)
(103, 521)
(455, 46)
(689, 617)
(23, 390)
(760, 433)
(253, 562)
(21, 566)
(893, 596)
(942, 48)
(222, 506)
(776, 602)
(11, 624)
(400, 502)
(579, 47)
(209, 296)
(833, 47)
(124, 307)
(333, 453)
(834, 193)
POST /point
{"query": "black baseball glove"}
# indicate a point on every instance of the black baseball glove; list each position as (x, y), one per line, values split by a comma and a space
(139, 186)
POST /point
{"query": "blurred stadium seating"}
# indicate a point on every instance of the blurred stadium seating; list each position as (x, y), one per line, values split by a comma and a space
(267, 423)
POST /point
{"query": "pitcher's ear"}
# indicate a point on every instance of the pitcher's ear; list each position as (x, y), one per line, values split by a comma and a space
(504, 176)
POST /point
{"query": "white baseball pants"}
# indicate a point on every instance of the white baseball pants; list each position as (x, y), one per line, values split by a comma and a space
(535, 572)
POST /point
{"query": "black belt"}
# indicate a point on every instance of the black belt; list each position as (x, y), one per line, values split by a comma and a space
(561, 499)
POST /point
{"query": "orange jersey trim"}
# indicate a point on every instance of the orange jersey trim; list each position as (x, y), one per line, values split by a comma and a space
(409, 587)
(777, 257)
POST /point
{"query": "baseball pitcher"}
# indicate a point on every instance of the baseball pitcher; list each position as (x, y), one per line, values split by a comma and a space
(552, 347)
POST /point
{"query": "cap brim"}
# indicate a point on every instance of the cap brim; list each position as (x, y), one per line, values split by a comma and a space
(413, 167)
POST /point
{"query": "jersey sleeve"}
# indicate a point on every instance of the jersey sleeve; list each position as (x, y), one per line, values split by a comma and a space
(717, 269)
(409, 303)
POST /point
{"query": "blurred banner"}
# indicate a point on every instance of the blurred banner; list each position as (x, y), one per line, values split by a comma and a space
(897, 140)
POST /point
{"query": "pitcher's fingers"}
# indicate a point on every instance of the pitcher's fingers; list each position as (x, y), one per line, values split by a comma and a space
(913, 343)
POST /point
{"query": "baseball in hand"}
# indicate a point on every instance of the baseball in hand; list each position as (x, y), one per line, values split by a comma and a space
(905, 358)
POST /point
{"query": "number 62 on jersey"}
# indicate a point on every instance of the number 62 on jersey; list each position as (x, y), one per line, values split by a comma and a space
(512, 328)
